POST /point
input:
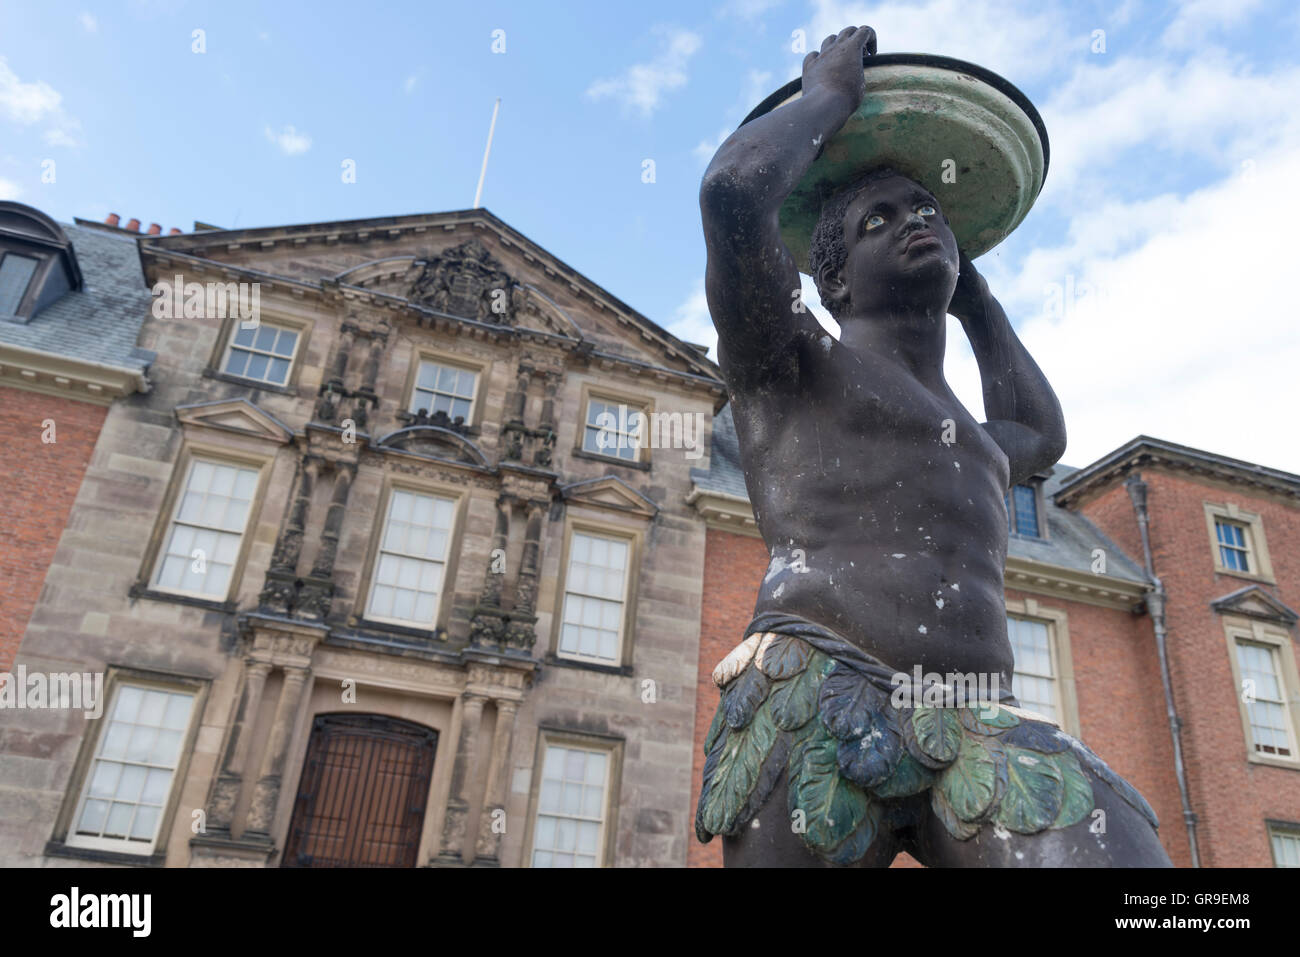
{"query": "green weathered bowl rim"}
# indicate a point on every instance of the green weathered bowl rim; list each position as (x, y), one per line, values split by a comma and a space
(1001, 84)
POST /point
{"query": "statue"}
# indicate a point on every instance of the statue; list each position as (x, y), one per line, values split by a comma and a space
(880, 499)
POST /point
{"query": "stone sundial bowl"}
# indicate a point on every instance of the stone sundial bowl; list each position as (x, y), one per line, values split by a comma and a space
(961, 131)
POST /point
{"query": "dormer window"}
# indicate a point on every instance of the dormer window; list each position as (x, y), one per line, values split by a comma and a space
(1022, 511)
(16, 272)
(37, 264)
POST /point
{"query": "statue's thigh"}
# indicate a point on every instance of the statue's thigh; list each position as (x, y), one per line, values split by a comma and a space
(1122, 837)
(769, 840)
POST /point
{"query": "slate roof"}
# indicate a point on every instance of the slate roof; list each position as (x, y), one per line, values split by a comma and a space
(101, 321)
(1070, 541)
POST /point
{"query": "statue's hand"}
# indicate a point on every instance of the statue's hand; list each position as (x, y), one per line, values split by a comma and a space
(838, 66)
(968, 298)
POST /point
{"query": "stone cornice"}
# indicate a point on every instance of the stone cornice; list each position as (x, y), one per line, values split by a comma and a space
(1147, 452)
(51, 374)
(727, 513)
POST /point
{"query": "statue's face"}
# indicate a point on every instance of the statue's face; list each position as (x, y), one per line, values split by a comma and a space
(900, 249)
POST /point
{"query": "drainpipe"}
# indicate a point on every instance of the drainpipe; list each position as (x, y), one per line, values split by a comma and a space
(1155, 602)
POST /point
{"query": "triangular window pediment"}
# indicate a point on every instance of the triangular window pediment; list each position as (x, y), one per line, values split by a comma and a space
(1255, 602)
(610, 492)
(235, 415)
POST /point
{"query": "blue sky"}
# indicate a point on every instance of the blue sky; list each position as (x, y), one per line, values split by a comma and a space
(1175, 150)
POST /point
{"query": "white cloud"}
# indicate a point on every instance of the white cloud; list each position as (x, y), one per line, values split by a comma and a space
(706, 148)
(691, 322)
(61, 136)
(289, 141)
(26, 103)
(1199, 21)
(88, 22)
(643, 85)
(409, 85)
(9, 189)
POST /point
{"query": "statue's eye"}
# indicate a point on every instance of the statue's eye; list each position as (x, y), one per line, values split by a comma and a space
(874, 220)
(926, 210)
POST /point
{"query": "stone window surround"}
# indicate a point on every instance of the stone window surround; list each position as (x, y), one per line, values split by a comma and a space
(1058, 633)
(604, 393)
(155, 855)
(635, 536)
(1237, 628)
(451, 568)
(613, 745)
(226, 455)
(271, 317)
(481, 368)
(1256, 545)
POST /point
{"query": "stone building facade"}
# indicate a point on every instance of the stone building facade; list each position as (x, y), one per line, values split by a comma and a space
(1084, 610)
(373, 572)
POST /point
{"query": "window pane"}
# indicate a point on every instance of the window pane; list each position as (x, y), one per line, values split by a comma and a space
(15, 273)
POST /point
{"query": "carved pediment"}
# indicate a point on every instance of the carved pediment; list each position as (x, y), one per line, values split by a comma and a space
(466, 281)
(435, 442)
(610, 492)
(1254, 602)
(235, 415)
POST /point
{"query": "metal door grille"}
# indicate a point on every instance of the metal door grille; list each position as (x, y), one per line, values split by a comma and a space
(362, 795)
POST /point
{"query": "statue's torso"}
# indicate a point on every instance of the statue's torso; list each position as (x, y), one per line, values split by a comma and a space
(877, 527)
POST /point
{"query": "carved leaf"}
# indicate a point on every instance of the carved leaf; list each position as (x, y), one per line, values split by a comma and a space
(782, 656)
(970, 783)
(744, 695)
(955, 825)
(794, 701)
(847, 700)
(1079, 800)
(735, 772)
(833, 806)
(909, 777)
(1034, 791)
(987, 720)
(871, 758)
(938, 732)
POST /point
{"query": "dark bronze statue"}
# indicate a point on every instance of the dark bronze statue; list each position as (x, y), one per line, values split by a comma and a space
(881, 503)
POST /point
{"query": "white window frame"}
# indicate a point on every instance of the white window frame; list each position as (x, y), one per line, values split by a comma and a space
(280, 327)
(630, 544)
(1275, 661)
(124, 844)
(380, 551)
(159, 559)
(1255, 632)
(1252, 526)
(1055, 677)
(416, 389)
(636, 437)
(610, 755)
(1281, 835)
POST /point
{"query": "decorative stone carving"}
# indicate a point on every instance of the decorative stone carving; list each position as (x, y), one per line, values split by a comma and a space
(466, 281)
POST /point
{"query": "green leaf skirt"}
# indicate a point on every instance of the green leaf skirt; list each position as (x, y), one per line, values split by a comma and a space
(798, 698)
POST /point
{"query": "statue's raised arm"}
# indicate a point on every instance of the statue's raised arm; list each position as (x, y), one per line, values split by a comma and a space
(752, 281)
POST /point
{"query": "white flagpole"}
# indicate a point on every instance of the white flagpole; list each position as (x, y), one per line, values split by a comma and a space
(478, 193)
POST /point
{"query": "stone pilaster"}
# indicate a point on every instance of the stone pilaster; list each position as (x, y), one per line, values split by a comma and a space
(487, 849)
(266, 795)
(225, 792)
(456, 821)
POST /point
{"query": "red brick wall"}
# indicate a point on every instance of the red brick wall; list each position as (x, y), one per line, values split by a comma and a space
(43, 481)
(1231, 797)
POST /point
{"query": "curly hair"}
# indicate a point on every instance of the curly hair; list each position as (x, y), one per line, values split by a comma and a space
(827, 244)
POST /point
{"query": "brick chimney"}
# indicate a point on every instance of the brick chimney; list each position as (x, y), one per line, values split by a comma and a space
(113, 219)
(173, 231)
(133, 226)
(155, 229)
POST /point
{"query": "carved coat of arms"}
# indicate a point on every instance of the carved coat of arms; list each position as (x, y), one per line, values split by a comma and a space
(466, 281)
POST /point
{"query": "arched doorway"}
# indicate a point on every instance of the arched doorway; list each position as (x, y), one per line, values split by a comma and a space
(362, 794)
